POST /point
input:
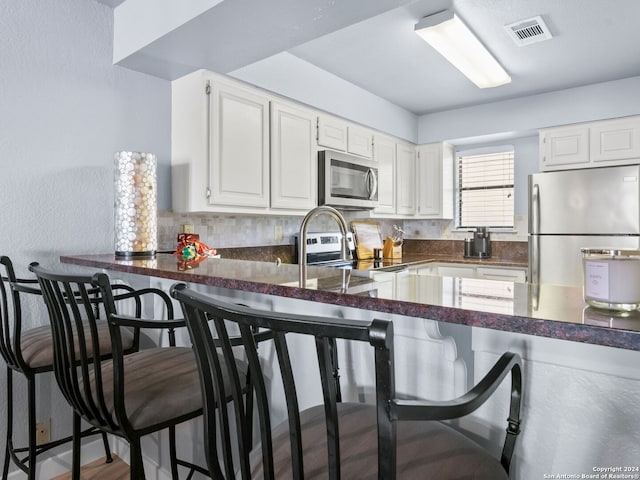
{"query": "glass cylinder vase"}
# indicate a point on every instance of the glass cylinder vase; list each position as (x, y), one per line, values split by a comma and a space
(136, 206)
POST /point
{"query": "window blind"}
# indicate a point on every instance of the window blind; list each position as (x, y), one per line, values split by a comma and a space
(477, 294)
(484, 193)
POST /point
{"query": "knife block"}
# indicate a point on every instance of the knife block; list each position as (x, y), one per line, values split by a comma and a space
(392, 249)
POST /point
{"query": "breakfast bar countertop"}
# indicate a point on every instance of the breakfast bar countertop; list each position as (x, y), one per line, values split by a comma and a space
(543, 310)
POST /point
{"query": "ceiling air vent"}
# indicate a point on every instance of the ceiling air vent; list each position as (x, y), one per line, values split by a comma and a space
(526, 32)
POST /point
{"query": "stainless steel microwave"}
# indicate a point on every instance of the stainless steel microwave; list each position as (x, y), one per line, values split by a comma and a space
(346, 181)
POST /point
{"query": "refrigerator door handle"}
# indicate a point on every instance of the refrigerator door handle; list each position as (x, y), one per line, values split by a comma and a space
(535, 209)
(534, 256)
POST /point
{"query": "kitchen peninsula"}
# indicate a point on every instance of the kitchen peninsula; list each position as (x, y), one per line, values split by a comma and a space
(546, 310)
(582, 397)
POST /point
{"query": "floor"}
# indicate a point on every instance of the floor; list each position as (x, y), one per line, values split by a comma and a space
(98, 470)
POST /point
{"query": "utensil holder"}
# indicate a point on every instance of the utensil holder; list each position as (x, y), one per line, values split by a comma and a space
(392, 249)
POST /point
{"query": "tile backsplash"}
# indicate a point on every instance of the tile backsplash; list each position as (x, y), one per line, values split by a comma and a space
(232, 230)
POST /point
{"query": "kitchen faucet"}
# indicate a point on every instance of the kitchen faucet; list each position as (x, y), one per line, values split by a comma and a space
(302, 239)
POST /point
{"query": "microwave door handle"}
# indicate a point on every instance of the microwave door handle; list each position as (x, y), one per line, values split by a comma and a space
(372, 183)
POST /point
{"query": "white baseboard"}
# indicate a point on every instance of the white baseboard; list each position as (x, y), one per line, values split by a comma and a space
(61, 463)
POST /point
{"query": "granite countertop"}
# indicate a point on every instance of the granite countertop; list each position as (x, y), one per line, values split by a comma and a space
(543, 310)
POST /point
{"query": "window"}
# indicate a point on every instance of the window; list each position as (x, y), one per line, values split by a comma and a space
(477, 294)
(484, 189)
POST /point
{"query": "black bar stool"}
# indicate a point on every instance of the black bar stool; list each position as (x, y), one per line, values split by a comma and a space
(28, 353)
(392, 438)
(131, 395)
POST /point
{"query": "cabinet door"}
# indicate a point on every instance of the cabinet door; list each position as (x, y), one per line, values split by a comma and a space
(506, 274)
(455, 271)
(429, 180)
(293, 158)
(435, 180)
(615, 140)
(405, 179)
(565, 147)
(384, 154)
(359, 141)
(332, 133)
(239, 171)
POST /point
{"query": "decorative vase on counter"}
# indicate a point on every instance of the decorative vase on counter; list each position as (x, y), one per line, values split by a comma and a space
(136, 219)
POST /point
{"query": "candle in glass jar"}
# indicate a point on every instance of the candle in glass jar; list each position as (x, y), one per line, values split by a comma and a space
(612, 277)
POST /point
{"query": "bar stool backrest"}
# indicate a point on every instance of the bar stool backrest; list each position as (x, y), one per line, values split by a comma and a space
(424, 444)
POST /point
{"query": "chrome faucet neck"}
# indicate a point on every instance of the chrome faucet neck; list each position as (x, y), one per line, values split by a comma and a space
(302, 238)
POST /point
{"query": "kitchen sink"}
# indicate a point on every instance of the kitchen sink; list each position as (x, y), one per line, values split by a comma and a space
(363, 267)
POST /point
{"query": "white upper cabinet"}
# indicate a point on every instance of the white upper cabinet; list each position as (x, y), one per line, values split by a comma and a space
(359, 141)
(332, 133)
(189, 144)
(435, 180)
(617, 139)
(592, 144)
(293, 157)
(239, 172)
(338, 134)
(384, 154)
(413, 182)
(405, 179)
(237, 149)
(564, 147)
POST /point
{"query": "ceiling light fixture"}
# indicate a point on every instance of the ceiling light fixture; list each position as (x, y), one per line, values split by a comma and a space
(445, 32)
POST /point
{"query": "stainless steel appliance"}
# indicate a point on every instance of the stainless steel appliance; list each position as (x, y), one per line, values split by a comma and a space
(324, 249)
(574, 209)
(346, 181)
(479, 246)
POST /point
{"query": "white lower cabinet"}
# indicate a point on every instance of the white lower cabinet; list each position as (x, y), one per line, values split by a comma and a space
(464, 270)
(294, 155)
(501, 273)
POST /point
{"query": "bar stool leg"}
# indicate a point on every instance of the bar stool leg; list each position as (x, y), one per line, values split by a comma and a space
(31, 400)
(135, 453)
(75, 454)
(107, 448)
(7, 449)
(173, 457)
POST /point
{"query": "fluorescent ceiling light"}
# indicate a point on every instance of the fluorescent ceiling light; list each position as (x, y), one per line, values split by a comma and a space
(446, 33)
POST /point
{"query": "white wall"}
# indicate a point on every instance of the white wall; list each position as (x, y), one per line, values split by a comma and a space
(299, 80)
(64, 110)
(161, 16)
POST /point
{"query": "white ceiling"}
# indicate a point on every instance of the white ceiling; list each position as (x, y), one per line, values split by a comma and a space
(593, 41)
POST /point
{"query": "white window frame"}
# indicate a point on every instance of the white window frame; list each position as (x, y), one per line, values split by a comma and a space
(492, 150)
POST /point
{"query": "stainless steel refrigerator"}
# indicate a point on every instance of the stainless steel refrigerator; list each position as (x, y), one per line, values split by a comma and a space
(572, 209)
